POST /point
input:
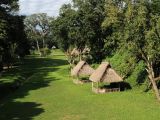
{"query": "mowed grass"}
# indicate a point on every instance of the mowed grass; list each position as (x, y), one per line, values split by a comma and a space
(48, 93)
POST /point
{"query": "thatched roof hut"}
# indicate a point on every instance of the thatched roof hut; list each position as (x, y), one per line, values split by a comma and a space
(86, 50)
(104, 73)
(82, 68)
(75, 52)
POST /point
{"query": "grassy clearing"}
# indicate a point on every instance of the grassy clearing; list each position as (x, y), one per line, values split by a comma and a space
(49, 94)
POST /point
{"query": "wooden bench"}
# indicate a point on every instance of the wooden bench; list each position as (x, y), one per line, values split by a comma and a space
(104, 90)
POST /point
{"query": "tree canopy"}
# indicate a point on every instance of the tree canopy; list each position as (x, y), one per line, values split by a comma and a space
(13, 40)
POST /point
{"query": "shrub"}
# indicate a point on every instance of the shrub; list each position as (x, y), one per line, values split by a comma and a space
(45, 52)
(132, 70)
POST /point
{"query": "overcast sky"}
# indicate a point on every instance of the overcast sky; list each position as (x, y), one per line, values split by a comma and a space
(51, 7)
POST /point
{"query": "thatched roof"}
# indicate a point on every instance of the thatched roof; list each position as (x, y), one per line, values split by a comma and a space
(104, 73)
(82, 68)
(75, 52)
(86, 50)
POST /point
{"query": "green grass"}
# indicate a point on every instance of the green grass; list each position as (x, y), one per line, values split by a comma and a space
(49, 94)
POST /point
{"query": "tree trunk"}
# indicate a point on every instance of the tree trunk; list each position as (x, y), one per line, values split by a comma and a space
(1, 63)
(152, 80)
(69, 59)
(80, 55)
(1, 67)
(38, 47)
(43, 43)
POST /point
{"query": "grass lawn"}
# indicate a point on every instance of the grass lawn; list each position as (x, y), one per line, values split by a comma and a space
(48, 93)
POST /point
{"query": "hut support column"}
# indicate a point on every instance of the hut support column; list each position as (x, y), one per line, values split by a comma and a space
(77, 78)
(92, 86)
(98, 87)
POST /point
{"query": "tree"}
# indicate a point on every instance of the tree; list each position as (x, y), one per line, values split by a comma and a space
(145, 41)
(61, 27)
(79, 26)
(139, 32)
(91, 16)
(38, 28)
(113, 24)
(12, 36)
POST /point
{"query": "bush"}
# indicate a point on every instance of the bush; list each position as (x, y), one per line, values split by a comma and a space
(132, 70)
(123, 62)
(138, 76)
(45, 52)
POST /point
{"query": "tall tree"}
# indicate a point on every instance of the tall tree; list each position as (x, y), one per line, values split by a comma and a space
(38, 28)
(80, 26)
(10, 28)
(91, 16)
(113, 24)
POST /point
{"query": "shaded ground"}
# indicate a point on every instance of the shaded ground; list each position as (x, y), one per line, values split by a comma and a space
(31, 74)
(49, 94)
(11, 79)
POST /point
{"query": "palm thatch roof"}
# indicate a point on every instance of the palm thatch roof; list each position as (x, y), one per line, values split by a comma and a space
(86, 50)
(104, 73)
(75, 52)
(82, 68)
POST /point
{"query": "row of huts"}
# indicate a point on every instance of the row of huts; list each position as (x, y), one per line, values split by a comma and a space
(103, 74)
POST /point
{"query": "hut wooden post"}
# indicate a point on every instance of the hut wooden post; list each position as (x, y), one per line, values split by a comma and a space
(98, 87)
(77, 77)
(119, 87)
(92, 86)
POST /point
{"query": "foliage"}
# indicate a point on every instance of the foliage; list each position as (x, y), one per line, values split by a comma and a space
(138, 75)
(113, 24)
(60, 27)
(79, 26)
(37, 27)
(123, 62)
(13, 40)
(127, 65)
(138, 31)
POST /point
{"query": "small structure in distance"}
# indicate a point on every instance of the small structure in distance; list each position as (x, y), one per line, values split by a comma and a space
(81, 69)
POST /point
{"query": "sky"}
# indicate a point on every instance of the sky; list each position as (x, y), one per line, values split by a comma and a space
(51, 7)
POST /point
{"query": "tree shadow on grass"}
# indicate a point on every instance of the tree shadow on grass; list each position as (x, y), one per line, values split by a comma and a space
(20, 111)
(14, 78)
(11, 109)
(32, 75)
